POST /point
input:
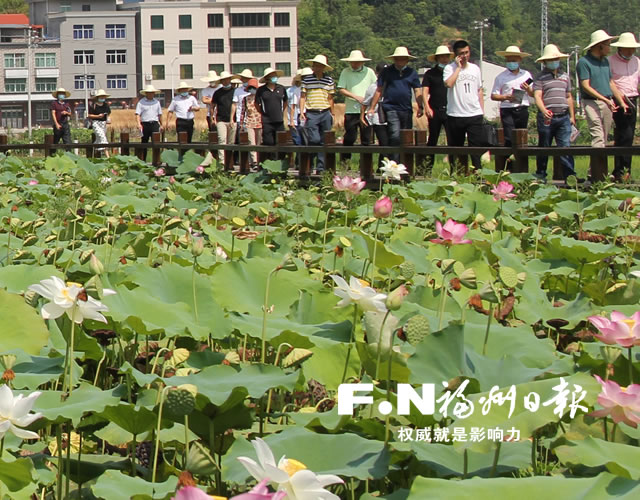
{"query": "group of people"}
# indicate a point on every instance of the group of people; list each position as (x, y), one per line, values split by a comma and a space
(380, 103)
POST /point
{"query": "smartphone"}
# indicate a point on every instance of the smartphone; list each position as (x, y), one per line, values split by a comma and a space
(529, 81)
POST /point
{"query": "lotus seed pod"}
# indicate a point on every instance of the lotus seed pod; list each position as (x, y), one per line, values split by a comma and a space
(31, 298)
(508, 276)
(179, 402)
(416, 329)
(407, 269)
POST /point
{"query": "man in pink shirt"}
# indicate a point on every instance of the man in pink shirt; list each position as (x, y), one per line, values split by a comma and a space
(625, 71)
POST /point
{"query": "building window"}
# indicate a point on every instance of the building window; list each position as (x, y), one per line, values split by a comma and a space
(79, 82)
(283, 45)
(157, 47)
(215, 20)
(116, 31)
(46, 84)
(281, 19)
(14, 61)
(157, 22)
(65, 6)
(43, 112)
(250, 19)
(216, 45)
(184, 21)
(250, 45)
(256, 68)
(83, 57)
(86, 8)
(157, 71)
(82, 31)
(285, 67)
(45, 60)
(186, 71)
(117, 56)
(218, 68)
(116, 81)
(15, 85)
(185, 47)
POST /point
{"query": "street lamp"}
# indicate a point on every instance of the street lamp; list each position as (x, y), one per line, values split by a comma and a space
(574, 52)
(173, 91)
(481, 25)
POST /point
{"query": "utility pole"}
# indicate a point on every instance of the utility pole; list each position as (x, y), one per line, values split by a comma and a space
(544, 24)
(574, 52)
(29, 36)
(86, 87)
(481, 25)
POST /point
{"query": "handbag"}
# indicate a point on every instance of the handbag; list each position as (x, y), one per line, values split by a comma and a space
(489, 134)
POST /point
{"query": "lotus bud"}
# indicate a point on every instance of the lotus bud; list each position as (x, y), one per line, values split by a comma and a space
(288, 264)
(383, 208)
(488, 293)
(610, 353)
(95, 265)
(197, 247)
(31, 298)
(447, 265)
(396, 298)
(468, 278)
(480, 219)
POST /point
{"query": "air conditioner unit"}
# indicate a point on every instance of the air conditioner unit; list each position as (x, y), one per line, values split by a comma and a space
(147, 78)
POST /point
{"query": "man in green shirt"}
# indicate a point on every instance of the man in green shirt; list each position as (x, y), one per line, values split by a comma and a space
(597, 89)
(353, 84)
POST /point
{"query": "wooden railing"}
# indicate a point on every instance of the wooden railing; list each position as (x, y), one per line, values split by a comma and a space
(412, 151)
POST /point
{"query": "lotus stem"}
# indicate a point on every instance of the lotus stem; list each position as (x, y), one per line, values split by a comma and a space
(465, 466)
(186, 440)
(233, 244)
(630, 366)
(375, 247)
(606, 431)
(59, 471)
(443, 298)
(496, 457)
(351, 341)
(486, 333)
(275, 363)
(157, 440)
(71, 346)
(380, 343)
(265, 309)
(193, 287)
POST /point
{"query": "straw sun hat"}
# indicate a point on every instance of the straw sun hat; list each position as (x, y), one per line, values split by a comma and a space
(599, 37)
(149, 89)
(401, 52)
(442, 50)
(356, 56)
(270, 71)
(512, 50)
(626, 41)
(320, 59)
(60, 90)
(551, 52)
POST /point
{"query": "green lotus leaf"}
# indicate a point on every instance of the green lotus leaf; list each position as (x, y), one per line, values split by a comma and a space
(16, 475)
(114, 485)
(578, 252)
(21, 325)
(619, 459)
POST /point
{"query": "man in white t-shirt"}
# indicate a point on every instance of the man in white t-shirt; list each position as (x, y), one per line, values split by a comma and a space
(465, 100)
(206, 95)
(512, 88)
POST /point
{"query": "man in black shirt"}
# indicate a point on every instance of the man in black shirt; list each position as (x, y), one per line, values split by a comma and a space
(434, 93)
(271, 102)
(222, 110)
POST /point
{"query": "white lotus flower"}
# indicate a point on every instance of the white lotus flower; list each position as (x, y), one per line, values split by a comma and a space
(70, 298)
(635, 274)
(221, 253)
(14, 413)
(393, 170)
(355, 292)
(289, 475)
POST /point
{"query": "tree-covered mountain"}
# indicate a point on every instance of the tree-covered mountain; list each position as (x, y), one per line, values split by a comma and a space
(335, 27)
(13, 7)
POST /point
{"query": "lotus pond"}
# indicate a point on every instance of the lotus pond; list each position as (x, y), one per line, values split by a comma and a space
(177, 335)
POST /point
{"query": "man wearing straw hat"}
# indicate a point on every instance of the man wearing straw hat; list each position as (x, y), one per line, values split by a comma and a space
(395, 85)
(434, 95)
(465, 100)
(625, 69)
(316, 104)
(99, 112)
(512, 89)
(183, 105)
(353, 83)
(148, 113)
(60, 113)
(271, 102)
(207, 93)
(552, 93)
(597, 89)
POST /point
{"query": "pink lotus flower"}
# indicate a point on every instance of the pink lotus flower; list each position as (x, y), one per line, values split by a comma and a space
(158, 172)
(502, 191)
(351, 186)
(619, 330)
(259, 492)
(383, 208)
(33, 182)
(452, 233)
(200, 169)
(622, 403)
(172, 180)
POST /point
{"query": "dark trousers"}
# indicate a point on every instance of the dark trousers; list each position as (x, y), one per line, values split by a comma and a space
(148, 128)
(513, 118)
(436, 124)
(382, 135)
(184, 125)
(64, 133)
(623, 136)
(315, 127)
(470, 127)
(397, 121)
(560, 128)
(270, 132)
(210, 125)
(352, 125)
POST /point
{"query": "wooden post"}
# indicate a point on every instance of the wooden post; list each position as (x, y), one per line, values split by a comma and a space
(213, 144)
(330, 158)
(48, 141)
(244, 155)
(520, 140)
(91, 152)
(283, 138)
(599, 166)
(304, 167)
(4, 139)
(558, 174)
(366, 166)
(124, 139)
(421, 140)
(156, 152)
(406, 158)
(500, 160)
